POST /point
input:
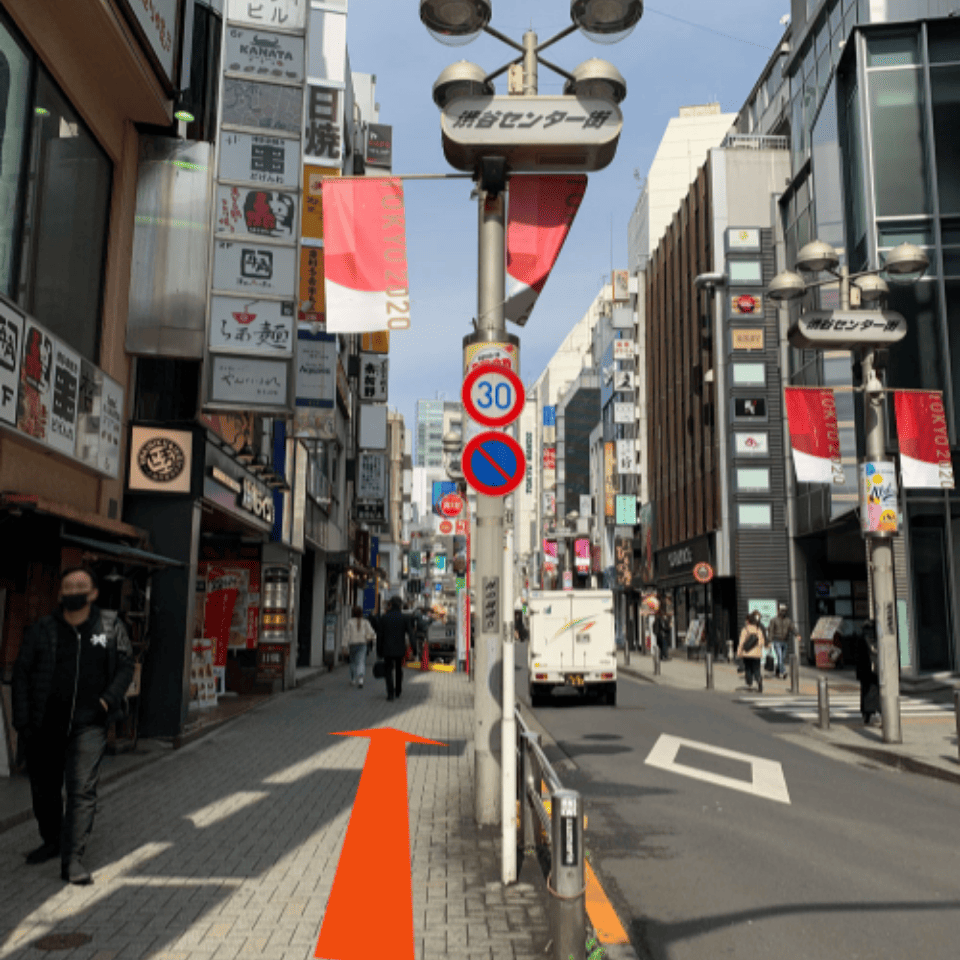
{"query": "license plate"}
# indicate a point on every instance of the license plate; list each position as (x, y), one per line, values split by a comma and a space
(575, 679)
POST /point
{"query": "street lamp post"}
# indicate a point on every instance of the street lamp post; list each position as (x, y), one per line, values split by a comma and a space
(904, 264)
(492, 155)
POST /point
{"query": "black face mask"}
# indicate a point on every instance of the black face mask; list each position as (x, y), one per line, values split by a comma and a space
(74, 601)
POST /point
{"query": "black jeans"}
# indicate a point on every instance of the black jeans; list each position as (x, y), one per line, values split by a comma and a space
(394, 675)
(753, 670)
(72, 761)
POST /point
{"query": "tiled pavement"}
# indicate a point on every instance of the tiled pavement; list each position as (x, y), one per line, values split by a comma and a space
(228, 847)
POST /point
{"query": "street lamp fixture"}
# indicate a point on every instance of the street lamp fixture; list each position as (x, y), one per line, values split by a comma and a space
(463, 79)
(905, 264)
(606, 21)
(455, 22)
(597, 78)
(872, 288)
(817, 256)
(786, 286)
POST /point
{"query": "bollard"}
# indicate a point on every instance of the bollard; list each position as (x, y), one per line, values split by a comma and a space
(709, 661)
(956, 711)
(528, 782)
(794, 674)
(729, 651)
(566, 883)
(823, 704)
(655, 650)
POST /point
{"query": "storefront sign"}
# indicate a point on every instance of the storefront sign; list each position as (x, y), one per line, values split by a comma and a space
(265, 106)
(111, 423)
(11, 337)
(624, 412)
(746, 304)
(263, 327)
(259, 158)
(321, 135)
(288, 14)
(528, 453)
(313, 177)
(33, 412)
(371, 476)
(702, 572)
(258, 500)
(682, 558)
(610, 479)
(256, 212)
(248, 381)
(621, 286)
(254, 268)
(370, 512)
(380, 145)
(743, 239)
(313, 304)
(623, 349)
(316, 385)
(225, 480)
(159, 21)
(626, 457)
(751, 444)
(376, 342)
(62, 434)
(624, 380)
(259, 53)
(626, 511)
(374, 377)
(624, 560)
(582, 554)
(878, 498)
(747, 408)
(747, 338)
(160, 460)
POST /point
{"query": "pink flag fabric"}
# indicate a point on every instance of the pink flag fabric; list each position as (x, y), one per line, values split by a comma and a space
(814, 435)
(924, 442)
(541, 213)
(365, 255)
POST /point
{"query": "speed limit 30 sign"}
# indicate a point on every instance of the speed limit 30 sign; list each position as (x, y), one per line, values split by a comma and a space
(492, 395)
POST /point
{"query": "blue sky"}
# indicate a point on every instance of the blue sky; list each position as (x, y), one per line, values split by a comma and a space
(666, 63)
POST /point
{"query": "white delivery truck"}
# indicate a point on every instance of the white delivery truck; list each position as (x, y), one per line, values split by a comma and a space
(572, 643)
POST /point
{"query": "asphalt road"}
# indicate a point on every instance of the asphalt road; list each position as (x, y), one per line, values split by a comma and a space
(862, 862)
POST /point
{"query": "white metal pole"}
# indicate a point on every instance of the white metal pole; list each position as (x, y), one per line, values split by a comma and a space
(508, 740)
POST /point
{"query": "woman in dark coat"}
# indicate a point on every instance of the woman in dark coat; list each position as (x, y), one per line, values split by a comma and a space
(867, 671)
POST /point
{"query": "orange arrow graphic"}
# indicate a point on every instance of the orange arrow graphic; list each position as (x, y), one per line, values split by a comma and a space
(375, 857)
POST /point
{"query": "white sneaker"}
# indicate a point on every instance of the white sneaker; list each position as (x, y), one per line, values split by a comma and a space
(361, 682)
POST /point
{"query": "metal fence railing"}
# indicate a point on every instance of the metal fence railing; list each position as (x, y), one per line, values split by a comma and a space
(561, 829)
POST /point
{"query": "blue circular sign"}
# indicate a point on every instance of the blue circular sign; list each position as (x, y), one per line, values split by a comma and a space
(494, 464)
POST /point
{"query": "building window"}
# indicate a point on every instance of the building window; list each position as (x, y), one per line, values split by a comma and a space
(749, 374)
(945, 87)
(893, 50)
(758, 515)
(753, 480)
(14, 94)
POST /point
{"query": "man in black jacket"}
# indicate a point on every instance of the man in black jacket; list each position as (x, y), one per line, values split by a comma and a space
(393, 635)
(69, 683)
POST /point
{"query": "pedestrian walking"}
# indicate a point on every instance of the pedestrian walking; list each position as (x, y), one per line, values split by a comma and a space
(750, 650)
(866, 663)
(662, 633)
(356, 636)
(69, 683)
(782, 629)
(392, 640)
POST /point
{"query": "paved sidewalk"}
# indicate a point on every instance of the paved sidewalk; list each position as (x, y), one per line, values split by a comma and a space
(927, 724)
(228, 847)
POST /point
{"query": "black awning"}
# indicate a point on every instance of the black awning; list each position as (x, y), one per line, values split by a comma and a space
(121, 551)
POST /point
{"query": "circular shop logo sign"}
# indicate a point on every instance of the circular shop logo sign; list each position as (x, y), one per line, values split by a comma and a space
(703, 573)
(161, 460)
(746, 303)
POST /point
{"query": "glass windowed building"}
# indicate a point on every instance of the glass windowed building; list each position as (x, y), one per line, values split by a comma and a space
(875, 158)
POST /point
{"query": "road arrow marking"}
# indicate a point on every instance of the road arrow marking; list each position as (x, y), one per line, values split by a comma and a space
(375, 857)
(767, 778)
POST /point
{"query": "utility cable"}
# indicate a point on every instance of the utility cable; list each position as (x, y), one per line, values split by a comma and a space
(701, 26)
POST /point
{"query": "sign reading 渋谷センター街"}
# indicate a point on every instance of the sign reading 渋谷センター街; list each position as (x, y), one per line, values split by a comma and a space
(365, 255)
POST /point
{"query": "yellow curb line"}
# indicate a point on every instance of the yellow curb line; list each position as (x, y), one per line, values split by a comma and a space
(602, 915)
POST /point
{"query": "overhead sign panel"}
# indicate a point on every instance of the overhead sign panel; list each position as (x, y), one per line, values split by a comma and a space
(847, 329)
(534, 134)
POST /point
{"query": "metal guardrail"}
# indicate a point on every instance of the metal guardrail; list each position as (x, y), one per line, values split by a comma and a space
(562, 828)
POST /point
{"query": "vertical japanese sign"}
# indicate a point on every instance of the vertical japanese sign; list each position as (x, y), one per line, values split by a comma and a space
(321, 134)
(374, 377)
(63, 405)
(256, 260)
(11, 337)
(316, 385)
(609, 479)
(33, 412)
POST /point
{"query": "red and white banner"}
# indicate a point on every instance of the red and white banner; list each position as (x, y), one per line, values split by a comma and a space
(814, 435)
(542, 209)
(924, 442)
(365, 255)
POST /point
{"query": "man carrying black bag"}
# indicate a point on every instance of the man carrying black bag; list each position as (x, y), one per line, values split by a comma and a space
(867, 672)
(393, 637)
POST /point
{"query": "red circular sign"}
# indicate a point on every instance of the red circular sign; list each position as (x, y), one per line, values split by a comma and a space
(451, 505)
(746, 303)
(446, 527)
(500, 395)
(494, 464)
(703, 573)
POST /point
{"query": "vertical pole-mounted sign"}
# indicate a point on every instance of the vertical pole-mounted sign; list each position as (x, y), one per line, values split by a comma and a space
(251, 312)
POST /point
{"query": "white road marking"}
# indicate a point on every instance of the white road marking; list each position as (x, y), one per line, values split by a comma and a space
(767, 778)
(842, 707)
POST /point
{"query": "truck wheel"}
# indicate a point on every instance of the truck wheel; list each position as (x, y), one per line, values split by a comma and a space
(536, 696)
